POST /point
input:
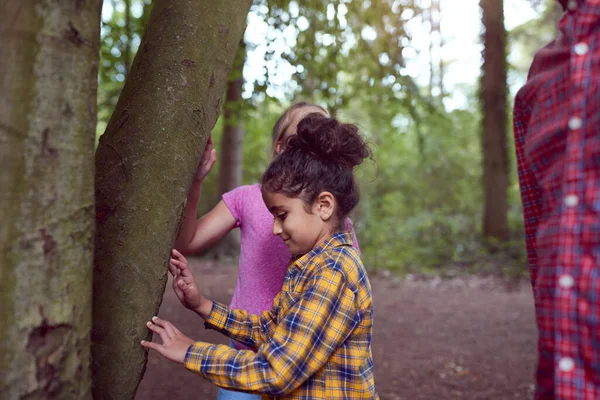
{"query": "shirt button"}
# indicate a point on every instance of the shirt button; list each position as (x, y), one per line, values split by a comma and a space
(572, 5)
(575, 123)
(566, 281)
(571, 200)
(566, 364)
(581, 49)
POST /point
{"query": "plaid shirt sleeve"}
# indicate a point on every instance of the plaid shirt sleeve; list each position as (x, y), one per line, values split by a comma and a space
(249, 329)
(312, 325)
(530, 192)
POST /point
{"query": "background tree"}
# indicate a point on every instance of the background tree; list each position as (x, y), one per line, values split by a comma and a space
(121, 32)
(145, 163)
(422, 198)
(230, 151)
(493, 94)
(230, 160)
(436, 43)
(48, 81)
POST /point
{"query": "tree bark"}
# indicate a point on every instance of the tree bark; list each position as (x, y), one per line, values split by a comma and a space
(230, 160)
(145, 164)
(127, 55)
(230, 175)
(493, 100)
(48, 83)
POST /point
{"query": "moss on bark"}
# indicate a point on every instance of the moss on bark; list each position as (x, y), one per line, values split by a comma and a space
(48, 82)
(145, 163)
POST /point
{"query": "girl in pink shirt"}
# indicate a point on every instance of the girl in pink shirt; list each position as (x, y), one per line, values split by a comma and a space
(264, 257)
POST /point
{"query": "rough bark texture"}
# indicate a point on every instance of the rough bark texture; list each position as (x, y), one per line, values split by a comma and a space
(48, 82)
(493, 99)
(145, 163)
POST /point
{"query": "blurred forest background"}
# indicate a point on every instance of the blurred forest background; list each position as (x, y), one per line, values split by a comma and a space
(430, 83)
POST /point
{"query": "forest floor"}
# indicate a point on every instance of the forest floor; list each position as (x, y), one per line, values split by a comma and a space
(463, 338)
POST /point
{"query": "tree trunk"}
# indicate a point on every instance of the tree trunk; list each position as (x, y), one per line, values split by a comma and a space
(48, 82)
(230, 175)
(127, 55)
(436, 41)
(230, 160)
(145, 164)
(493, 100)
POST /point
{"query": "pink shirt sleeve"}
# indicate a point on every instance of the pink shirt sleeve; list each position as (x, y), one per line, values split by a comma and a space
(234, 200)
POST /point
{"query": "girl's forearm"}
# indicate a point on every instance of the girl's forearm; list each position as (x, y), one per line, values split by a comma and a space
(188, 225)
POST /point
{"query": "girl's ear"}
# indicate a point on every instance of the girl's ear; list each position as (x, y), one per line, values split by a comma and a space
(278, 147)
(325, 205)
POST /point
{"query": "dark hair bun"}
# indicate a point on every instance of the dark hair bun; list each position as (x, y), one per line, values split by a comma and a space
(330, 140)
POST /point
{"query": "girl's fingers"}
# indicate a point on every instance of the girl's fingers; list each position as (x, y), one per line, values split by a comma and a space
(172, 269)
(176, 331)
(186, 273)
(209, 146)
(164, 336)
(177, 254)
(182, 268)
(166, 325)
(182, 284)
(151, 345)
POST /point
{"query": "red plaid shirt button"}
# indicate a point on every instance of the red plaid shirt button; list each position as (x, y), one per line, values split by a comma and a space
(581, 49)
(566, 364)
(566, 281)
(572, 5)
(571, 200)
(575, 123)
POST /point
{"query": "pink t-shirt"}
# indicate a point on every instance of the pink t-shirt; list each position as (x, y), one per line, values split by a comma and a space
(264, 257)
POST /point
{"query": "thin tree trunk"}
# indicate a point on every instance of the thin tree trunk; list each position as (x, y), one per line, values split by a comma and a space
(127, 57)
(493, 99)
(230, 175)
(230, 160)
(48, 82)
(436, 77)
(145, 164)
(438, 29)
(429, 16)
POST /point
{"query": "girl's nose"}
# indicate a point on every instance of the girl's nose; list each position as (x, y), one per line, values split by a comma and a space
(276, 228)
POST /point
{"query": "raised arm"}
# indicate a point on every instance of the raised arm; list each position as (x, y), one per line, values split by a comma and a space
(196, 235)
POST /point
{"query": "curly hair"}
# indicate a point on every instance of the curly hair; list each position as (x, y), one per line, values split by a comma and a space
(320, 157)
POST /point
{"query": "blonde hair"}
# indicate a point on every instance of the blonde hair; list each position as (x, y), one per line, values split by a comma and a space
(283, 123)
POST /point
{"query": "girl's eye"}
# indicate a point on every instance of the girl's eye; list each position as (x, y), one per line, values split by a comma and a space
(282, 216)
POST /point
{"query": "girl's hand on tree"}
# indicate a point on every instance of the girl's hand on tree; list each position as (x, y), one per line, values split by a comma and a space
(174, 344)
(184, 284)
(209, 156)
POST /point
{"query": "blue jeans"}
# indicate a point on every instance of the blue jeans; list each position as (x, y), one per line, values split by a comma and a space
(225, 394)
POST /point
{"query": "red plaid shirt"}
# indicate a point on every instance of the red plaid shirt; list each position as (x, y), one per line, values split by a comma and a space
(557, 126)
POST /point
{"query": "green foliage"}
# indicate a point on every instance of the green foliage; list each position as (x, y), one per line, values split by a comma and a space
(422, 195)
(421, 211)
(123, 23)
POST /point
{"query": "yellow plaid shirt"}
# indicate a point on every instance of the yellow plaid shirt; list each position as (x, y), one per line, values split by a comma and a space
(315, 343)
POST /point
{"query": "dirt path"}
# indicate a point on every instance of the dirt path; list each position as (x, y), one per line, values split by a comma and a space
(459, 339)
